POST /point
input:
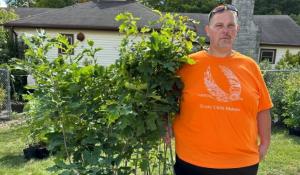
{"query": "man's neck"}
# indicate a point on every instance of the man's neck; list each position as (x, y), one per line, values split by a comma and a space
(220, 53)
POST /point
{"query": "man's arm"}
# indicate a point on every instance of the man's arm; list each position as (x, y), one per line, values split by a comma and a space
(264, 132)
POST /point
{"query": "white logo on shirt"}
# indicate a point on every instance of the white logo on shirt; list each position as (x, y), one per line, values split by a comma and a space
(218, 93)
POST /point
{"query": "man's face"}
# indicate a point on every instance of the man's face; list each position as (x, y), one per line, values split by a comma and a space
(222, 30)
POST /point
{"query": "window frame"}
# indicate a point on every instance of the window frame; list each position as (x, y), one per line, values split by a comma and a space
(262, 50)
(70, 37)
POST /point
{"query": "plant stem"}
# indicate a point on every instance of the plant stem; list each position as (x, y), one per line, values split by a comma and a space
(159, 161)
(136, 162)
(170, 145)
(165, 158)
(65, 142)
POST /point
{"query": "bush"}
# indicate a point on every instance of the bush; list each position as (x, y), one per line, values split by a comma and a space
(276, 85)
(291, 99)
(275, 81)
(282, 85)
(289, 60)
(109, 120)
(286, 90)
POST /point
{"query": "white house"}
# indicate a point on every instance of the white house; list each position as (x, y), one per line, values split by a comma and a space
(95, 20)
(279, 33)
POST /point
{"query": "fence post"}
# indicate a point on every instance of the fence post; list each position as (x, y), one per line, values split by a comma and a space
(5, 107)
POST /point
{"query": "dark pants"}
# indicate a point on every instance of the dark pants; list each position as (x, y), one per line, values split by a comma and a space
(183, 168)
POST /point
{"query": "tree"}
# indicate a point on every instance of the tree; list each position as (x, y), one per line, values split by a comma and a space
(296, 18)
(54, 3)
(262, 7)
(43, 3)
(192, 6)
(270, 7)
(278, 7)
(6, 46)
(109, 120)
(20, 3)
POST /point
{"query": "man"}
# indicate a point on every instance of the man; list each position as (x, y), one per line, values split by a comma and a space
(224, 124)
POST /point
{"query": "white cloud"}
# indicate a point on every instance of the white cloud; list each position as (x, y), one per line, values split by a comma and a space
(2, 3)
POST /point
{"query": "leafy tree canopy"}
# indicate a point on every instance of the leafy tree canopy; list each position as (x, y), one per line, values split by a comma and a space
(203, 6)
(43, 3)
(6, 51)
(7, 15)
(262, 7)
(277, 7)
(54, 3)
(20, 3)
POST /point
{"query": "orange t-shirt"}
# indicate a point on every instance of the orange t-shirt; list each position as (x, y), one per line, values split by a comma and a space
(217, 123)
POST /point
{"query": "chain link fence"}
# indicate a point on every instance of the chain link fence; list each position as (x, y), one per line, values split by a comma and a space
(5, 101)
(278, 75)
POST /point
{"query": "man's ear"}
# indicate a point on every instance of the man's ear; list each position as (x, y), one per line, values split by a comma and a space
(238, 28)
(206, 30)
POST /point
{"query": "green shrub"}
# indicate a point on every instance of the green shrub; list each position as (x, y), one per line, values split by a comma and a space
(291, 99)
(109, 120)
(280, 84)
(275, 81)
(276, 85)
(289, 59)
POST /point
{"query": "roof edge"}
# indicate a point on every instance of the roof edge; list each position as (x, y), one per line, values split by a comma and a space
(279, 44)
(73, 27)
(79, 27)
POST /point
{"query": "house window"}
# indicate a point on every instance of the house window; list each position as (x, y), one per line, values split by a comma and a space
(267, 54)
(70, 38)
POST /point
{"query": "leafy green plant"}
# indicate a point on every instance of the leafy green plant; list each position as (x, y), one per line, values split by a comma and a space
(7, 49)
(148, 68)
(289, 59)
(109, 120)
(278, 83)
(292, 100)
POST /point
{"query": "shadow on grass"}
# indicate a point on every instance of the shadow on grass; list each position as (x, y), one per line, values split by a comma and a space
(13, 161)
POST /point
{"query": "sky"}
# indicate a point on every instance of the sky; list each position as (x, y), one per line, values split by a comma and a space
(2, 3)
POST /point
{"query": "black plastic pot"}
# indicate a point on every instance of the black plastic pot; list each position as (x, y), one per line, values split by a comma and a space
(294, 131)
(36, 152)
(17, 106)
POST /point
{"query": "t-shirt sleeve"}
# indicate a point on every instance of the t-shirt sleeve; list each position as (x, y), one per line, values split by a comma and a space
(265, 101)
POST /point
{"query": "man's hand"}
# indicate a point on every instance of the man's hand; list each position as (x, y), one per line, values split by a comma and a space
(264, 131)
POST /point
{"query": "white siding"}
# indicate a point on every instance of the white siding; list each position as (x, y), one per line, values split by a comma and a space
(280, 51)
(109, 41)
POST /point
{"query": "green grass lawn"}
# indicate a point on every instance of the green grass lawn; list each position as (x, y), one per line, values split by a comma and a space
(283, 157)
(12, 142)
